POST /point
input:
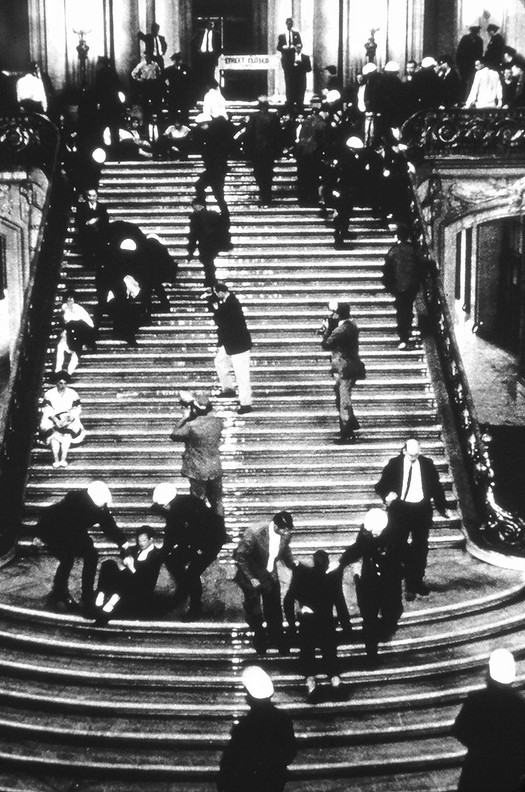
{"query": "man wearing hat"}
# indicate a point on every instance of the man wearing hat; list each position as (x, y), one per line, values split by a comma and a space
(214, 141)
(178, 83)
(469, 50)
(402, 276)
(193, 538)
(426, 85)
(491, 725)
(346, 368)
(200, 430)
(376, 559)
(63, 527)
(262, 743)
(256, 557)
(493, 56)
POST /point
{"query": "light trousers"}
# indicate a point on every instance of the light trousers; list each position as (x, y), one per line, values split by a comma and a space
(231, 368)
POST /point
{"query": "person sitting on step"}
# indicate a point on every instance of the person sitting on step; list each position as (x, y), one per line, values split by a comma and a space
(126, 586)
(78, 332)
(60, 423)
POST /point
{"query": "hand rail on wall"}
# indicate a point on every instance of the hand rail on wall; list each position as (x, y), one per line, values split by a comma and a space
(32, 141)
(495, 528)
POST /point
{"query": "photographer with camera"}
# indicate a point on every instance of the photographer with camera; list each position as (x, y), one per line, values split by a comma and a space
(200, 430)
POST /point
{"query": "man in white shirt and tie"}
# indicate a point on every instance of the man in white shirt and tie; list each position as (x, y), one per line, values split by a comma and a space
(286, 43)
(408, 485)
(256, 557)
(206, 51)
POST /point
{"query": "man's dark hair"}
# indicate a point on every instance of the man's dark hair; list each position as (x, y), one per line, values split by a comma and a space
(220, 286)
(283, 519)
(403, 233)
(145, 529)
(343, 310)
(446, 59)
(321, 559)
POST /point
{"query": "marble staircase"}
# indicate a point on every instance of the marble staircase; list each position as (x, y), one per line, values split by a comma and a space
(149, 705)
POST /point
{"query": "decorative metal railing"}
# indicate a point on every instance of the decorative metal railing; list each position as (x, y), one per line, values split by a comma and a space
(28, 140)
(17, 431)
(493, 527)
(456, 131)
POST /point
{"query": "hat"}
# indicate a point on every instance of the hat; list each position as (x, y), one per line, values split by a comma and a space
(502, 667)
(428, 62)
(375, 521)
(176, 55)
(99, 155)
(128, 244)
(368, 68)
(333, 96)
(332, 305)
(493, 26)
(474, 25)
(331, 69)
(202, 118)
(164, 493)
(99, 493)
(343, 310)
(354, 142)
(392, 66)
(283, 519)
(257, 683)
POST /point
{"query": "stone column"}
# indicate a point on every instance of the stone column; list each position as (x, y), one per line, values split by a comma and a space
(278, 12)
(126, 25)
(325, 40)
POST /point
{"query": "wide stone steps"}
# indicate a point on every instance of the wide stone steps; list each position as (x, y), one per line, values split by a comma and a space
(149, 705)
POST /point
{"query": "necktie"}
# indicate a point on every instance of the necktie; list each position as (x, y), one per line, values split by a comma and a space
(290, 38)
(409, 479)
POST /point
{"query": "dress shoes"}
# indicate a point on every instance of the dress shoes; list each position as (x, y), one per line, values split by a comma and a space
(227, 393)
(335, 682)
(347, 440)
(422, 589)
(64, 604)
(244, 408)
(410, 596)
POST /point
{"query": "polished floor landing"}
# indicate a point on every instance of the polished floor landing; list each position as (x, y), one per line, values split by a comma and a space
(452, 574)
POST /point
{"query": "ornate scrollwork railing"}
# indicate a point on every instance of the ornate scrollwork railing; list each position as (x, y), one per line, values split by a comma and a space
(456, 131)
(17, 429)
(28, 140)
(493, 527)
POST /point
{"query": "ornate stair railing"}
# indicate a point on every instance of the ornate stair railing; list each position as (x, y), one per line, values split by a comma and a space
(454, 132)
(28, 141)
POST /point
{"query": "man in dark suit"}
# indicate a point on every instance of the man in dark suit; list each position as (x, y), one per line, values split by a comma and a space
(376, 558)
(262, 742)
(469, 50)
(286, 43)
(426, 85)
(209, 231)
(126, 586)
(256, 557)
(200, 430)
(317, 590)
(450, 86)
(491, 725)
(493, 57)
(63, 527)
(299, 68)
(92, 223)
(206, 47)
(193, 537)
(155, 45)
(262, 145)
(235, 343)
(214, 141)
(178, 82)
(341, 338)
(408, 485)
(402, 276)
